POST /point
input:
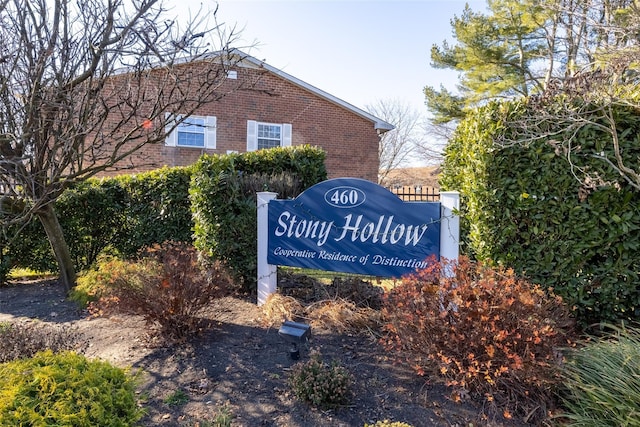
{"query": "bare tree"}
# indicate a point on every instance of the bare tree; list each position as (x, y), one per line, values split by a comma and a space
(430, 148)
(397, 145)
(86, 84)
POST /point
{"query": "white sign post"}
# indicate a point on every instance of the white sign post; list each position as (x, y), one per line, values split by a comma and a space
(449, 225)
(449, 228)
(267, 273)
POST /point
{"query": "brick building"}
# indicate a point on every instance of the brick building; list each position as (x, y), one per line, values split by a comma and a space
(263, 107)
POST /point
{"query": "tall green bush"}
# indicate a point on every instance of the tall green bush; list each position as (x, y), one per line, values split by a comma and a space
(527, 206)
(157, 209)
(223, 200)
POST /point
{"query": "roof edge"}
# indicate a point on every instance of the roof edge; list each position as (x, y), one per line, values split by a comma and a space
(380, 125)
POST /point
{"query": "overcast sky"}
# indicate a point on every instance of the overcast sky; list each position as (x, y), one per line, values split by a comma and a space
(357, 50)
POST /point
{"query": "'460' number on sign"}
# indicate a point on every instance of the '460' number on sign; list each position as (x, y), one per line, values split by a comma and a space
(344, 197)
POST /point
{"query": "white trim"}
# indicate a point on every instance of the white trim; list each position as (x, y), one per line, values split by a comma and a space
(170, 121)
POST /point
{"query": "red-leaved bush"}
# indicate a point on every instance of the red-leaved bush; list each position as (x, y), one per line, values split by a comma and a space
(168, 287)
(487, 333)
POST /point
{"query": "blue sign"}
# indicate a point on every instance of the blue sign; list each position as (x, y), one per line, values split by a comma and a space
(354, 226)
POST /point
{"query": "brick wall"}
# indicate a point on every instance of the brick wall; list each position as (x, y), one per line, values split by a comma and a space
(350, 141)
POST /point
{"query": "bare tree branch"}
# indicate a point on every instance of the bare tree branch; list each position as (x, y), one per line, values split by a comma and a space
(586, 100)
(397, 145)
(84, 85)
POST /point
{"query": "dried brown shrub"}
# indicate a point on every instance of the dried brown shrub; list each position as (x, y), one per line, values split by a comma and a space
(171, 290)
(487, 333)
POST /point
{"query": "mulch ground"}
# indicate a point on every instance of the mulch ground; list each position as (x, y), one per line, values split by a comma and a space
(241, 366)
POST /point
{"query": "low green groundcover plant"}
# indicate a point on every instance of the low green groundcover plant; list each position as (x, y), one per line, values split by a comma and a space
(66, 389)
(602, 380)
(319, 383)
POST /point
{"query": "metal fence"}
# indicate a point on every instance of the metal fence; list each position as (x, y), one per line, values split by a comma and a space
(416, 193)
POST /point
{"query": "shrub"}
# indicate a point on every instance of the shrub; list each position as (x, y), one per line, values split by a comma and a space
(25, 339)
(177, 398)
(92, 285)
(122, 214)
(531, 207)
(223, 200)
(320, 384)
(223, 418)
(90, 213)
(157, 209)
(485, 332)
(66, 389)
(168, 287)
(602, 381)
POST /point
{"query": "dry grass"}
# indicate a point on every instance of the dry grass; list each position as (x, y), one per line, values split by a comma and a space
(336, 315)
(425, 176)
(342, 316)
(279, 308)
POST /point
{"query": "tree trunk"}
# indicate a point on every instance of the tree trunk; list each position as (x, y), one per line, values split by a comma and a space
(49, 220)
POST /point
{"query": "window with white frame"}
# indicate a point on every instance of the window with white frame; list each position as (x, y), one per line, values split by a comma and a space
(267, 135)
(193, 131)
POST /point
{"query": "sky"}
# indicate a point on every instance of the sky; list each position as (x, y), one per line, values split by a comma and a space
(361, 51)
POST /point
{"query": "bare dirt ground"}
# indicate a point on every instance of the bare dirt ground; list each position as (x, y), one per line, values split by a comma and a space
(242, 367)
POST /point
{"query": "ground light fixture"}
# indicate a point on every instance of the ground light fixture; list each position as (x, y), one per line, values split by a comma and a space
(294, 333)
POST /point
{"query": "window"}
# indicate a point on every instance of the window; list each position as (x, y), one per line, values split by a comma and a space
(267, 135)
(194, 131)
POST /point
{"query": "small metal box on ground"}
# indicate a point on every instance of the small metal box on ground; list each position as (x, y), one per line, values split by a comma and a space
(294, 333)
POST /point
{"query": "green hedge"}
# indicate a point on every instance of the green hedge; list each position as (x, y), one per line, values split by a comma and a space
(224, 203)
(90, 213)
(528, 207)
(215, 199)
(123, 214)
(157, 209)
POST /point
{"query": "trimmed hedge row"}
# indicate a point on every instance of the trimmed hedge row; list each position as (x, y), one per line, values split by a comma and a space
(525, 206)
(123, 214)
(157, 210)
(215, 198)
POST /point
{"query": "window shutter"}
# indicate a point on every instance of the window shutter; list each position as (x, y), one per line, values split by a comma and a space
(171, 138)
(252, 135)
(210, 132)
(286, 135)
